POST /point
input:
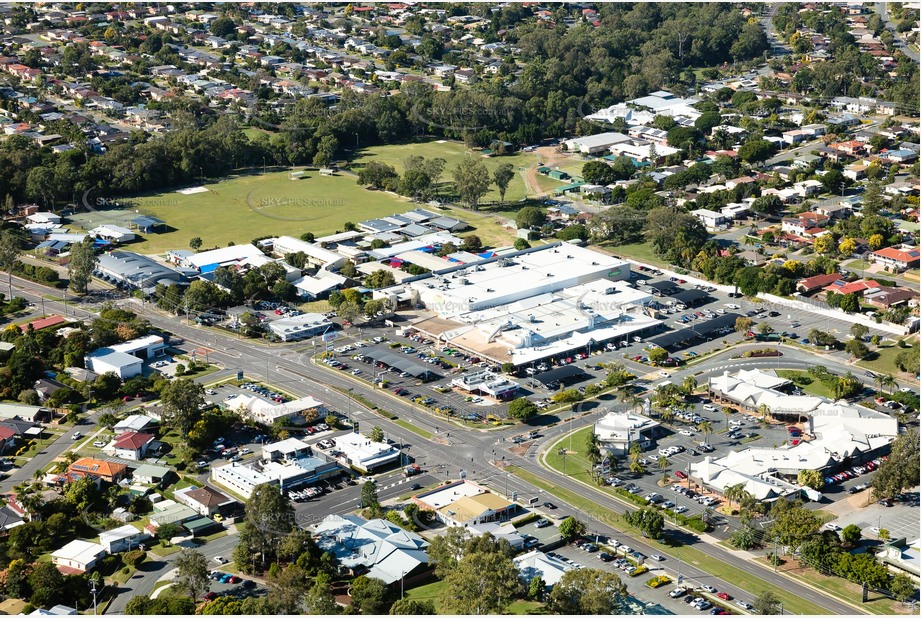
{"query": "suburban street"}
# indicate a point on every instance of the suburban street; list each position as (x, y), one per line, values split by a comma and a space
(883, 11)
(451, 448)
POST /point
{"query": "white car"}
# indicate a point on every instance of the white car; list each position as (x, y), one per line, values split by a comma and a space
(907, 389)
(731, 306)
(680, 509)
(832, 527)
(76, 436)
(709, 589)
(686, 432)
(709, 407)
(220, 559)
(656, 557)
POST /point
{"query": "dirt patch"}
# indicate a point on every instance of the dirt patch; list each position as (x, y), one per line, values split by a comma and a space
(521, 449)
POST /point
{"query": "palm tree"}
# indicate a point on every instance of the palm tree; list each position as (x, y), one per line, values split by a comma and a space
(593, 448)
(728, 412)
(635, 466)
(689, 385)
(889, 382)
(706, 428)
(667, 415)
(764, 410)
(880, 381)
(734, 492)
(663, 464)
(635, 401)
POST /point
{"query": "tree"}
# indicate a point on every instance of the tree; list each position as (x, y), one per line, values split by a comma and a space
(859, 331)
(743, 324)
(706, 428)
(348, 269)
(592, 448)
(588, 592)
(380, 278)
(857, 348)
(195, 243)
(657, 355)
(377, 434)
(472, 243)
(825, 244)
(810, 478)
(369, 498)
(793, 524)
(471, 181)
(182, 401)
(530, 216)
(223, 26)
(502, 176)
(901, 470)
(192, 569)
(522, 409)
(649, 521)
(598, 172)
(370, 595)
(767, 603)
(902, 587)
(767, 205)
(521, 244)
(269, 517)
(572, 232)
(484, 582)
(46, 583)
(755, 151)
(446, 550)
(571, 528)
(82, 263)
(9, 254)
(377, 175)
(412, 607)
(851, 534)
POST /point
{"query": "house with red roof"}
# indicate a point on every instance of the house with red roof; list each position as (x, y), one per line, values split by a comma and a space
(897, 258)
(98, 469)
(130, 445)
(858, 287)
(809, 285)
(51, 320)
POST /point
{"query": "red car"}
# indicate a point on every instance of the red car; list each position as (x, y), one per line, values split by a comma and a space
(680, 474)
(794, 442)
(724, 596)
(211, 596)
(235, 580)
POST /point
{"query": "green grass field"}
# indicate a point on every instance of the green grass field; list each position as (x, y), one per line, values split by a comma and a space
(638, 251)
(808, 383)
(241, 208)
(883, 359)
(453, 153)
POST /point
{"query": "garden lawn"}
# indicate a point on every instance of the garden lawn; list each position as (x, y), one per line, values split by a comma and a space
(884, 359)
(453, 153)
(242, 208)
(815, 387)
(638, 251)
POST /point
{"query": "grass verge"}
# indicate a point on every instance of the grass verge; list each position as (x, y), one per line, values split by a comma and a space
(416, 430)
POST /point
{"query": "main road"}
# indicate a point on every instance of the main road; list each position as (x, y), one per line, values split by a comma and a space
(450, 447)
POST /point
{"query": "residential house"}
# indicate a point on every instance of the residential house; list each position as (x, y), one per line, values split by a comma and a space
(78, 556)
(898, 258)
(124, 538)
(99, 469)
(206, 501)
(130, 445)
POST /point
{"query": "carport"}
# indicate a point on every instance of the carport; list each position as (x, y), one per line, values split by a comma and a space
(398, 362)
(711, 326)
(560, 374)
(675, 340)
(692, 298)
(665, 288)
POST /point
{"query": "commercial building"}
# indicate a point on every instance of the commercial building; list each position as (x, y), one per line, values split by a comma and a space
(618, 431)
(207, 261)
(528, 305)
(375, 548)
(538, 564)
(838, 435)
(486, 383)
(113, 233)
(316, 255)
(300, 326)
(134, 271)
(286, 450)
(464, 503)
(595, 144)
(78, 556)
(242, 479)
(123, 538)
(362, 453)
(266, 412)
(125, 359)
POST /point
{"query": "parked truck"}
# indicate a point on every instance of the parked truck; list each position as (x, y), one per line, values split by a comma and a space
(412, 470)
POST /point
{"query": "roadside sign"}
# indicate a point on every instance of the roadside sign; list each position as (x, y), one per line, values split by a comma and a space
(239, 375)
(327, 337)
(533, 501)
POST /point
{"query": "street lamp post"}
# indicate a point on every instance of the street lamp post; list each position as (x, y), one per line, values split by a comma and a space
(349, 412)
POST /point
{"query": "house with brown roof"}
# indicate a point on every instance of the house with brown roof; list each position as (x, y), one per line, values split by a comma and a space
(886, 297)
(99, 469)
(130, 445)
(205, 500)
